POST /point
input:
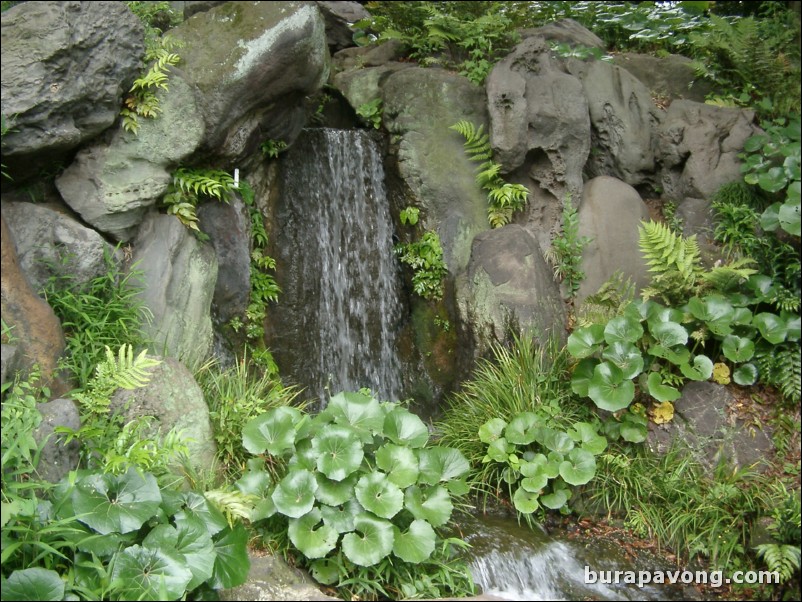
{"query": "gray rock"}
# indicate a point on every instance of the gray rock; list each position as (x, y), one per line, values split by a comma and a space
(702, 422)
(270, 578)
(419, 107)
(178, 276)
(672, 76)
(229, 231)
(624, 121)
(192, 7)
(176, 401)
(610, 214)
(253, 64)
(57, 458)
(697, 219)
(65, 68)
(699, 146)
(360, 86)
(566, 31)
(51, 243)
(113, 182)
(369, 56)
(339, 16)
(539, 117)
(509, 288)
(8, 367)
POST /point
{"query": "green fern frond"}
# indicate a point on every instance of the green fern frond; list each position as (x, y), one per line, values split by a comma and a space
(126, 371)
(234, 505)
(782, 368)
(728, 277)
(780, 558)
(666, 251)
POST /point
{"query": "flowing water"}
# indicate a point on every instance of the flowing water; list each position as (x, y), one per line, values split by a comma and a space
(341, 285)
(513, 562)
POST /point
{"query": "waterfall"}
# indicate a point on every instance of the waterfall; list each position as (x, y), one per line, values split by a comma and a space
(336, 320)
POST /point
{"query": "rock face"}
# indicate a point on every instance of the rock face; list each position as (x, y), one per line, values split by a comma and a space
(623, 119)
(178, 276)
(34, 327)
(176, 401)
(566, 31)
(253, 63)
(65, 68)
(539, 117)
(338, 16)
(510, 288)
(51, 243)
(610, 214)
(113, 182)
(701, 421)
(700, 144)
(57, 458)
(270, 578)
(671, 76)
(419, 107)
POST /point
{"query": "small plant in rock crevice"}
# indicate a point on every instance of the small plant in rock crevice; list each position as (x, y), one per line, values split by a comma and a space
(425, 257)
(565, 253)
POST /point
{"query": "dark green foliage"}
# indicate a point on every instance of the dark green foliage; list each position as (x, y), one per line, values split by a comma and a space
(190, 186)
(781, 367)
(104, 312)
(565, 253)
(425, 257)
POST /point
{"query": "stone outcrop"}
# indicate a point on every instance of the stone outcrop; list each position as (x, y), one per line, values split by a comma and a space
(610, 214)
(699, 146)
(66, 66)
(671, 77)
(509, 288)
(177, 275)
(253, 64)
(57, 457)
(50, 243)
(175, 400)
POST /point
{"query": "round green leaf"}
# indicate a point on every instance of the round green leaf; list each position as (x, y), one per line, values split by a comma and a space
(338, 451)
(789, 217)
(556, 499)
(499, 450)
(585, 433)
(232, 564)
(660, 391)
(609, 390)
(121, 504)
(579, 468)
(525, 502)
(416, 544)
(325, 571)
(432, 504)
(626, 356)
(702, 368)
(583, 373)
(335, 493)
(372, 541)
(312, 538)
(294, 496)
(192, 541)
(149, 574)
(400, 464)
(772, 327)
(521, 430)
(634, 433)
(793, 325)
(668, 334)
(584, 342)
(404, 428)
(770, 218)
(677, 357)
(491, 430)
(379, 495)
(273, 431)
(359, 411)
(341, 518)
(441, 464)
(745, 375)
(535, 484)
(623, 329)
(713, 308)
(304, 457)
(33, 584)
(737, 349)
(554, 440)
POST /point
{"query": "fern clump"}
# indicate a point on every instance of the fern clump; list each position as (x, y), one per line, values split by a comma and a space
(504, 198)
(674, 260)
(187, 187)
(782, 368)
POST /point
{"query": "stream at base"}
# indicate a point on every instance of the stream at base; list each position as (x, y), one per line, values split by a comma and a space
(514, 562)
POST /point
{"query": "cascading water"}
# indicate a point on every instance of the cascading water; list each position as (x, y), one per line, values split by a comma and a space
(340, 306)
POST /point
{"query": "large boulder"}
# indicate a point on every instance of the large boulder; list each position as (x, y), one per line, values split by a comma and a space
(539, 118)
(254, 63)
(566, 31)
(51, 243)
(624, 121)
(669, 77)
(113, 182)
(65, 68)
(35, 329)
(699, 146)
(177, 275)
(509, 288)
(339, 17)
(419, 107)
(610, 214)
(176, 401)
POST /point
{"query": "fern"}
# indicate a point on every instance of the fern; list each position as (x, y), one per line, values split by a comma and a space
(608, 302)
(189, 185)
(675, 261)
(503, 197)
(234, 505)
(782, 368)
(782, 559)
(142, 100)
(728, 277)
